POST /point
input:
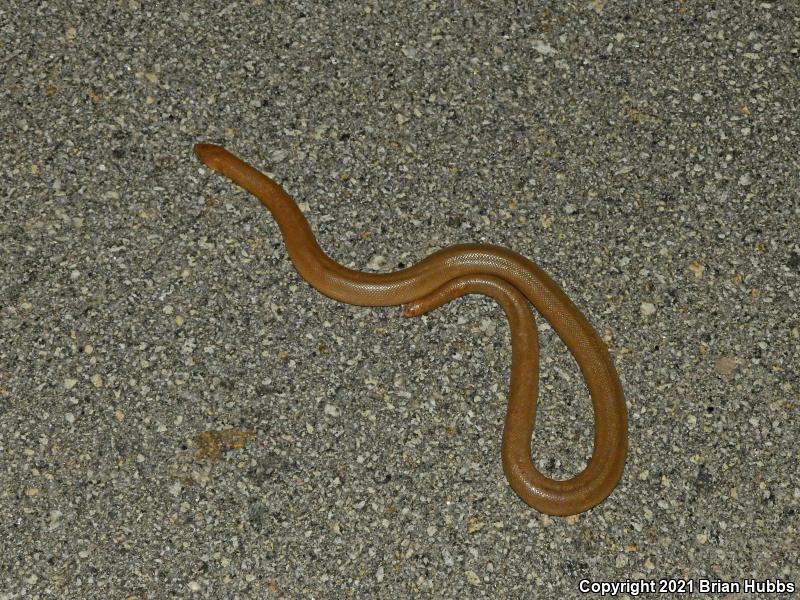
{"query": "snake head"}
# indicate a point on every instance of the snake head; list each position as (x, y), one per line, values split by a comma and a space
(212, 156)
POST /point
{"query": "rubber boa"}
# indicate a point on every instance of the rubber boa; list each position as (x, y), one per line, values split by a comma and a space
(512, 280)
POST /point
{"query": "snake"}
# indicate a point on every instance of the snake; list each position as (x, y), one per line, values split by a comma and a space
(516, 283)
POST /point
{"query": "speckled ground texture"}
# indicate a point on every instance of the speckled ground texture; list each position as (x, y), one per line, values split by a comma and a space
(644, 154)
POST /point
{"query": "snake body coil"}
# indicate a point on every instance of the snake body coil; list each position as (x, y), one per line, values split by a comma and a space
(512, 280)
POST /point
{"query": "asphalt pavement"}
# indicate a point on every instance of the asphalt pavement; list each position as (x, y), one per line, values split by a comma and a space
(181, 415)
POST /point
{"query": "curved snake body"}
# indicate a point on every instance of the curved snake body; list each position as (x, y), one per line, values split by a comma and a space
(509, 278)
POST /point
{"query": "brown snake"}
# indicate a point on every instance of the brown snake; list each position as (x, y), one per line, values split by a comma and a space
(510, 279)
